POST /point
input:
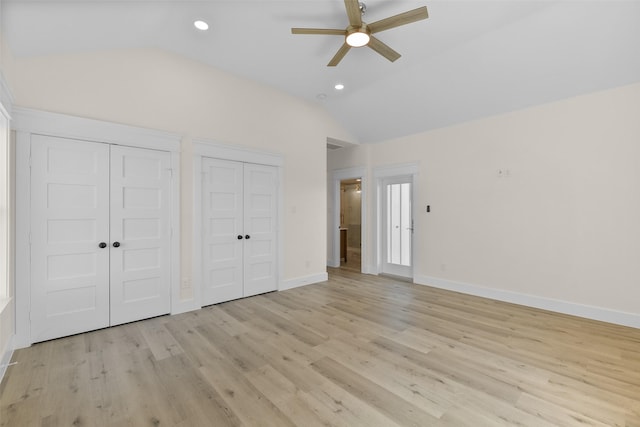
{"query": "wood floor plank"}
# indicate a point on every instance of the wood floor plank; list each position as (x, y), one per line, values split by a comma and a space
(431, 394)
(230, 325)
(555, 414)
(388, 403)
(246, 401)
(357, 350)
(160, 341)
(231, 346)
(192, 395)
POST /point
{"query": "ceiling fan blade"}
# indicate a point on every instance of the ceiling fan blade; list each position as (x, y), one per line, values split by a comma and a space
(339, 55)
(383, 49)
(400, 19)
(328, 31)
(353, 12)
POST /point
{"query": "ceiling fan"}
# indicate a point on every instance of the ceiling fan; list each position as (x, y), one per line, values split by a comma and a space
(359, 33)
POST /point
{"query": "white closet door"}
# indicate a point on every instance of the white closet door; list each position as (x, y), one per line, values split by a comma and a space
(223, 236)
(70, 218)
(260, 222)
(140, 234)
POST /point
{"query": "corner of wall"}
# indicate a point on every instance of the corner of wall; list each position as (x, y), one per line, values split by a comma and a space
(6, 72)
(303, 281)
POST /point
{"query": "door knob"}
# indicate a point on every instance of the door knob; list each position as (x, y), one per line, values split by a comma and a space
(102, 245)
(116, 244)
(247, 237)
(239, 236)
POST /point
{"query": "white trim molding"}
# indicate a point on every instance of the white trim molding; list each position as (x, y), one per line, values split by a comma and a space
(303, 281)
(5, 359)
(65, 126)
(204, 148)
(28, 122)
(558, 306)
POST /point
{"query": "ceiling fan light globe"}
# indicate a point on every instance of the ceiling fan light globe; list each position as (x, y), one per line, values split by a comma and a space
(201, 25)
(358, 39)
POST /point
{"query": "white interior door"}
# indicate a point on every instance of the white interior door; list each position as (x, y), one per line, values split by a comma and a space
(260, 222)
(70, 221)
(100, 235)
(397, 226)
(140, 234)
(223, 234)
(239, 205)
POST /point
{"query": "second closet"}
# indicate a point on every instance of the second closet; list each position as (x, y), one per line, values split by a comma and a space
(239, 229)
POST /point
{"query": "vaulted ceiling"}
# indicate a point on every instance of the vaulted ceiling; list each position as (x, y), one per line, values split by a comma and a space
(469, 59)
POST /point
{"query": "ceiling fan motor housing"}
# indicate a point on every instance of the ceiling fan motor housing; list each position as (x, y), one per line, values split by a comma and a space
(359, 33)
(358, 36)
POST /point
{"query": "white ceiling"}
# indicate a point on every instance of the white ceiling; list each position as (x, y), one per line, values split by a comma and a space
(470, 59)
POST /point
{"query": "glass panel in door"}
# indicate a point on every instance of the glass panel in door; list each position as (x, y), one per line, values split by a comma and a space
(397, 226)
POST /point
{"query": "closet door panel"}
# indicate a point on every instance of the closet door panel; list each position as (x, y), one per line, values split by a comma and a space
(260, 224)
(222, 205)
(69, 220)
(140, 234)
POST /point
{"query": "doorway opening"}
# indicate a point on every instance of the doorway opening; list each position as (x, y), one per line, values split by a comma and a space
(351, 224)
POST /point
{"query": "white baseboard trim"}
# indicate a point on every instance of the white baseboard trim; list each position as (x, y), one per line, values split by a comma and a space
(303, 281)
(558, 306)
(333, 263)
(184, 307)
(368, 269)
(6, 358)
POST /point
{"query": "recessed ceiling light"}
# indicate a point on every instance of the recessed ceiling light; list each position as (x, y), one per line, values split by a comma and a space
(201, 25)
(339, 86)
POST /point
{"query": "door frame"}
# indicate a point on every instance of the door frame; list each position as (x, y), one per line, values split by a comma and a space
(206, 148)
(338, 175)
(27, 122)
(381, 173)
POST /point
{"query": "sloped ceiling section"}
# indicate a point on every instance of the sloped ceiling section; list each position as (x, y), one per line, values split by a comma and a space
(470, 59)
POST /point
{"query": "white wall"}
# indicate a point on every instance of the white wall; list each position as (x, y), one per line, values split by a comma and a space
(562, 227)
(159, 90)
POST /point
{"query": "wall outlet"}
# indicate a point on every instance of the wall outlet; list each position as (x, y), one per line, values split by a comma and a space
(506, 173)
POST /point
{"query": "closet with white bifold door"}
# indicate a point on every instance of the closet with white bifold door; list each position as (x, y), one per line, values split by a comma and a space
(100, 219)
(99, 235)
(239, 229)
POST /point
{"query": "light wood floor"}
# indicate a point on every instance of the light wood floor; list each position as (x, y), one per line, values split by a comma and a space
(356, 351)
(353, 261)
